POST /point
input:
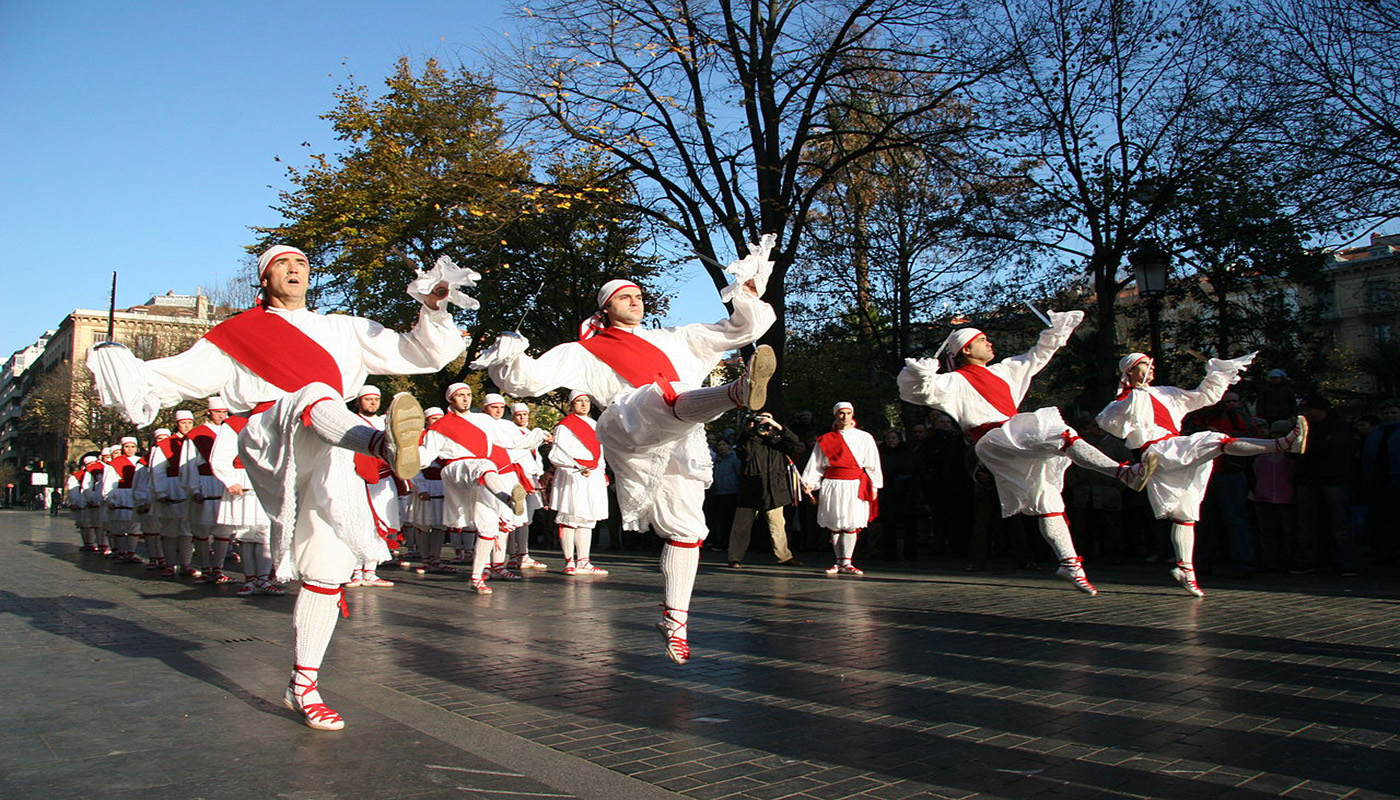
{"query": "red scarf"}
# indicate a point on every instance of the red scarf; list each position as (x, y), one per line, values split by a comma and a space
(275, 350)
(170, 448)
(841, 465)
(587, 436)
(202, 438)
(126, 471)
(992, 388)
(634, 359)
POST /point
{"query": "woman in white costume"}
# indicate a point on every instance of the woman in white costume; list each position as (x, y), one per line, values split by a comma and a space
(1148, 418)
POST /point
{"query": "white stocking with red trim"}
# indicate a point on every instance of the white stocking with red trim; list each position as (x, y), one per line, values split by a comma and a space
(1091, 457)
(566, 542)
(705, 405)
(221, 546)
(481, 555)
(430, 545)
(338, 427)
(1252, 447)
(847, 546)
(1055, 530)
(1183, 541)
(313, 623)
(679, 564)
(583, 543)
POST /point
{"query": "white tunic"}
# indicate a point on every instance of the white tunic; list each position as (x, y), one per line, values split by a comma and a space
(383, 494)
(580, 500)
(1024, 454)
(1184, 463)
(167, 491)
(839, 507)
(645, 441)
(425, 509)
(121, 502)
(302, 480)
(242, 513)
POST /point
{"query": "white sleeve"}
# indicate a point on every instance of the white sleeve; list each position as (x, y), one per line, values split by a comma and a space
(815, 469)
(750, 319)
(432, 343)
(140, 389)
(524, 376)
(922, 384)
(875, 471)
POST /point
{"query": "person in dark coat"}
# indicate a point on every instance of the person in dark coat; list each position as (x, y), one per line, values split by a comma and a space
(765, 486)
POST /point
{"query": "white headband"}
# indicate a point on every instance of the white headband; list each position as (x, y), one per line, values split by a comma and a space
(183, 414)
(217, 403)
(271, 254)
(368, 391)
(493, 399)
(519, 407)
(455, 388)
(842, 405)
(434, 411)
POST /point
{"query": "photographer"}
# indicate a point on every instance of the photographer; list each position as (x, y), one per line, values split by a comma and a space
(764, 485)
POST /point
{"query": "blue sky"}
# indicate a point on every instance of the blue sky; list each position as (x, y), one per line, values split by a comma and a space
(141, 136)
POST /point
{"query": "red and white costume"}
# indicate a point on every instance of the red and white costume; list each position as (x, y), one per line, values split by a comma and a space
(1148, 418)
(649, 382)
(170, 501)
(205, 491)
(1026, 452)
(241, 515)
(121, 497)
(579, 492)
(292, 369)
(845, 469)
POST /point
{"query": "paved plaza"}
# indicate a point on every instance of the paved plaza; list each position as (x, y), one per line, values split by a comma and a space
(936, 683)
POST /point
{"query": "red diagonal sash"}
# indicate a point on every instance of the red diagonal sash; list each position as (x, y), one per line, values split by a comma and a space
(588, 437)
(170, 448)
(274, 350)
(1161, 415)
(474, 439)
(634, 359)
(841, 465)
(992, 388)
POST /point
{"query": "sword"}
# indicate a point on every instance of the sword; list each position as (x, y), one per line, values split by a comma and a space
(708, 260)
(1038, 313)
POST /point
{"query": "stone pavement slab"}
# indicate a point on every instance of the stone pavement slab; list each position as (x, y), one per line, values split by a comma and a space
(902, 684)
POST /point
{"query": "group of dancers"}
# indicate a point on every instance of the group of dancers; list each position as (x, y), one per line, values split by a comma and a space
(311, 462)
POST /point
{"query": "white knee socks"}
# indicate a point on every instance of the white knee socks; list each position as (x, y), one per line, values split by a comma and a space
(313, 623)
(1056, 532)
(1183, 541)
(709, 403)
(679, 563)
(336, 426)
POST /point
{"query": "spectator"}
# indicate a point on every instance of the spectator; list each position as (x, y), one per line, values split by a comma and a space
(1226, 507)
(1323, 476)
(1273, 500)
(722, 496)
(1276, 399)
(943, 464)
(1378, 482)
(765, 486)
(899, 499)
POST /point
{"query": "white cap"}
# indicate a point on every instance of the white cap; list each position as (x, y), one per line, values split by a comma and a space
(162, 432)
(89, 459)
(492, 399)
(271, 254)
(841, 405)
(128, 440)
(455, 388)
(107, 451)
(368, 391)
(576, 394)
(183, 414)
(217, 403)
(516, 408)
(434, 411)
(1129, 361)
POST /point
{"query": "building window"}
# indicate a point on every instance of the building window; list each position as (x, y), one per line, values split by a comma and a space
(1378, 295)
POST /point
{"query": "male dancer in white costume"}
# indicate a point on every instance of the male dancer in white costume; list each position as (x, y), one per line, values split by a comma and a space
(479, 487)
(844, 469)
(1148, 418)
(293, 369)
(1026, 452)
(122, 497)
(171, 501)
(650, 379)
(579, 493)
(381, 491)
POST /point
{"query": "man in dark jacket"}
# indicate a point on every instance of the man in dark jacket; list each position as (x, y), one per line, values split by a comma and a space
(1320, 483)
(765, 485)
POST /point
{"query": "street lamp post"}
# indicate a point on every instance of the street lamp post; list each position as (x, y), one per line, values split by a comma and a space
(1150, 264)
